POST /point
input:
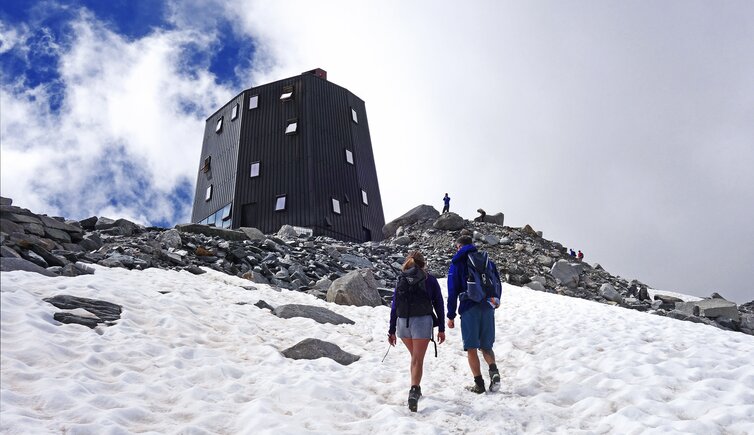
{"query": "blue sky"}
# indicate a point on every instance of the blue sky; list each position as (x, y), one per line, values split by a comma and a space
(621, 129)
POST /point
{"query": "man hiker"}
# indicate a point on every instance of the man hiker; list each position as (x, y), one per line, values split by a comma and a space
(446, 200)
(477, 311)
(580, 255)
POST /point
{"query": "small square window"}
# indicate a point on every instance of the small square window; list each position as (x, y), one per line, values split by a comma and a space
(254, 172)
(292, 127)
(207, 162)
(354, 116)
(219, 126)
(208, 194)
(335, 206)
(349, 156)
(253, 102)
(364, 198)
(211, 220)
(287, 93)
(280, 203)
(234, 112)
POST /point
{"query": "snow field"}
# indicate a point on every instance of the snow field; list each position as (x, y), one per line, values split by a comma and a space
(202, 359)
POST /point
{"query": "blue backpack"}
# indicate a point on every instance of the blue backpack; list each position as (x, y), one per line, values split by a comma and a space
(482, 279)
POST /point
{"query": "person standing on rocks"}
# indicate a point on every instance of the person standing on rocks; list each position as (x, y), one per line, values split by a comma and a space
(417, 294)
(446, 200)
(580, 255)
(477, 318)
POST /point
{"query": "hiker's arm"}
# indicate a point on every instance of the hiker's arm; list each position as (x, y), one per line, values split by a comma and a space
(393, 318)
(453, 286)
(437, 302)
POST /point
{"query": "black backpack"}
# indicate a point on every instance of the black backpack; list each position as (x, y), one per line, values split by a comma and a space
(411, 295)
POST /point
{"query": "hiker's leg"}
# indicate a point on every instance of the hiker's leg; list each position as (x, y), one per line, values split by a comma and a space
(489, 356)
(474, 364)
(417, 360)
(409, 345)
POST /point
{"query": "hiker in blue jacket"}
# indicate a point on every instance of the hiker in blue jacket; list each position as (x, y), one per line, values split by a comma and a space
(417, 294)
(446, 200)
(477, 319)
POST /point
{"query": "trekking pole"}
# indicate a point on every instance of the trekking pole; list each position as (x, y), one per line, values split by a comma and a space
(388, 351)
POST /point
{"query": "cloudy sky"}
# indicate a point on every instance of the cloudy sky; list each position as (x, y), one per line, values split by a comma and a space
(624, 129)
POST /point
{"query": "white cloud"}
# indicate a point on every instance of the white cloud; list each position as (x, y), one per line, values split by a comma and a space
(122, 114)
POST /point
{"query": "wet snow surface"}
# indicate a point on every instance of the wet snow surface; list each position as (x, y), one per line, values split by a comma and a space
(194, 361)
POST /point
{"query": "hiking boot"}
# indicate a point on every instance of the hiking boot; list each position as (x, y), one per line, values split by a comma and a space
(494, 380)
(413, 397)
(476, 388)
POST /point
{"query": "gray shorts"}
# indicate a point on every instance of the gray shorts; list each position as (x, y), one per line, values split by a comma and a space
(418, 327)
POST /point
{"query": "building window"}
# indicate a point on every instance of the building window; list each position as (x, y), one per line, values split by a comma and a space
(280, 203)
(292, 127)
(207, 161)
(208, 194)
(254, 172)
(234, 112)
(354, 116)
(211, 220)
(287, 93)
(364, 198)
(226, 212)
(335, 206)
(349, 156)
(219, 126)
(253, 102)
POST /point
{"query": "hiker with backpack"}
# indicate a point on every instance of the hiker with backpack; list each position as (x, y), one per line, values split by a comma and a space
(417, 306)
(473, 280)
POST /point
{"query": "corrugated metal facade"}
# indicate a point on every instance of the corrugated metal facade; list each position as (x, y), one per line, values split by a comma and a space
(309, 167)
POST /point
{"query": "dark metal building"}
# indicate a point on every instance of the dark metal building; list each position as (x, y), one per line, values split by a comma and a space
(296, 151)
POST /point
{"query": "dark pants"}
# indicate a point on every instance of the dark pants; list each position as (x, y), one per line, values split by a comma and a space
(446, 208)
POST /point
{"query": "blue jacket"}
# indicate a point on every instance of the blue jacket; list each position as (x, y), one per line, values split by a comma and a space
(435, 295)
(457, 282)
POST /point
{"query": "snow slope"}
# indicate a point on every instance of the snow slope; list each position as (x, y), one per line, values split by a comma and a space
(194, 361)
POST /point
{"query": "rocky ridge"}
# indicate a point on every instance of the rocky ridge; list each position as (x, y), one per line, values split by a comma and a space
(59, 247)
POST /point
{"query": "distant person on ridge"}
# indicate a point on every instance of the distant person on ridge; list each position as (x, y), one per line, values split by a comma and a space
(473, 279)
(580, 255)
(572, 253)
(417, 294)
(446, 200)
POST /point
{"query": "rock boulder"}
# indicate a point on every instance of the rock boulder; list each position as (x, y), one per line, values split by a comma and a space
(357, 288)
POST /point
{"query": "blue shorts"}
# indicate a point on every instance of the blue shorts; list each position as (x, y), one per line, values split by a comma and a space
(478, 327)
(418, 327)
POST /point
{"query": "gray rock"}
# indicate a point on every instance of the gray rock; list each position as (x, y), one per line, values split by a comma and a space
(263, 305)
(498, 218)
(21, 216)
(104, 223)
(105, 311)
(196, 270)
(545, 260)
(8, 227)
(356, 261)
(8, 252)
(318, 314)
(255, 277)
(608, 292)
(312, 348)
(357, 288)
(207, 230)
(323, 284)
(449, 222)
(5, 201)
(252, 233)
(402, 240)
(667, 299)
(36, 229)
(58, 225)
(287, 232)
(565, 273)
(10, 264)
(718, 308)
(88, 223)
(84, 269)
(535, 285)
(57, 235)
(414, 215)
(91, 242)
(171, 238)
(747, 321)
(681, 315)
(69, 318)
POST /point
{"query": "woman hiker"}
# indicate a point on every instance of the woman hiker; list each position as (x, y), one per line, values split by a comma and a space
(417, 294)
